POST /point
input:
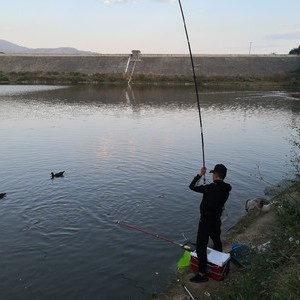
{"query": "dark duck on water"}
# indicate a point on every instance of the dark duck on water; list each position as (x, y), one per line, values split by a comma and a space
(59, 174)
(2, 195)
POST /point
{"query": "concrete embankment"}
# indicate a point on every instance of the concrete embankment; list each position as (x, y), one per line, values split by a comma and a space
(165, 65)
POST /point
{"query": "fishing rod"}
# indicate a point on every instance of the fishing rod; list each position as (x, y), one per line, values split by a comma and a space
(184, 246)
(195, 84)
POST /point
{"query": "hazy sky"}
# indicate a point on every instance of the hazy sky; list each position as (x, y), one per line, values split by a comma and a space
(153, 26)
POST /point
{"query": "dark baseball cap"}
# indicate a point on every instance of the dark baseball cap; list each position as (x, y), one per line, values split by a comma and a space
(220, 169)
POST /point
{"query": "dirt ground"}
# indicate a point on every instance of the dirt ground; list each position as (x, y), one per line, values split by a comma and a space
(254, 229)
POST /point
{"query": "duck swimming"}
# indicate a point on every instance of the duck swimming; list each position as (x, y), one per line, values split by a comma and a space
(59, 174)
(2, 195)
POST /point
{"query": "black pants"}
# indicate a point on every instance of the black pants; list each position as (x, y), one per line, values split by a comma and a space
(207, 229)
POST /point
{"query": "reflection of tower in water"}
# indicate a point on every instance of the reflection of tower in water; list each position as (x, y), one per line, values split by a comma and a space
(131, 100)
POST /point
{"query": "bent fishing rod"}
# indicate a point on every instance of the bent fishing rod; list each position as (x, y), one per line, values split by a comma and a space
(184, 246)
(195, 84)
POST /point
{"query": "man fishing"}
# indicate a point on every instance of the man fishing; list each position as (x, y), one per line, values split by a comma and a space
(214, 197)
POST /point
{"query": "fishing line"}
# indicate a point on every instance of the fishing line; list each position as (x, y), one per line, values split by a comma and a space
(195, 84)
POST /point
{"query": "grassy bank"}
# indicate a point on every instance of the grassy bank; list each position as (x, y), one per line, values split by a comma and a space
(285, 81)
(289, 80)
(275, 273)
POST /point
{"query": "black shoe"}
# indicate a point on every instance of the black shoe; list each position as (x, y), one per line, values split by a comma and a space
(199, 278)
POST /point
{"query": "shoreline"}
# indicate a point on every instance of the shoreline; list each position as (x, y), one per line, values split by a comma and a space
(286, 81)
(253, 229)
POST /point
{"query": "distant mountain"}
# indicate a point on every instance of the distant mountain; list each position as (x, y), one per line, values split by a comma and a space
(8, 47)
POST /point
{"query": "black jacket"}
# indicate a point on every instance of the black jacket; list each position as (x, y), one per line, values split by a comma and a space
(214, 197)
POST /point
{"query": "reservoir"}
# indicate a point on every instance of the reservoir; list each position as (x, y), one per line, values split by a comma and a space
(129, 154)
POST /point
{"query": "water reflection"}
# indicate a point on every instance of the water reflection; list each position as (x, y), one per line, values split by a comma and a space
(175, 97)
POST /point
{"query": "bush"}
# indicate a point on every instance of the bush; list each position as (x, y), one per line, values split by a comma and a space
(295, 51)
(3, 78)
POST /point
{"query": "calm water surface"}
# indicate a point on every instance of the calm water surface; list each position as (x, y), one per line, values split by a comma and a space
(128, 155)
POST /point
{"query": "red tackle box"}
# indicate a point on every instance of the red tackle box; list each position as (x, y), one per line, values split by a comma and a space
(218, 264)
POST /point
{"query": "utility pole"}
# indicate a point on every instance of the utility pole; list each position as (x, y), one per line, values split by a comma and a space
(250, 48)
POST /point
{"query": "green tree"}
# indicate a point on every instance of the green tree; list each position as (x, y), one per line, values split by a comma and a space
(295, 51)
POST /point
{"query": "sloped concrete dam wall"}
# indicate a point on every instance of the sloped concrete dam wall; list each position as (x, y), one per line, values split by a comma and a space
(169, 65)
